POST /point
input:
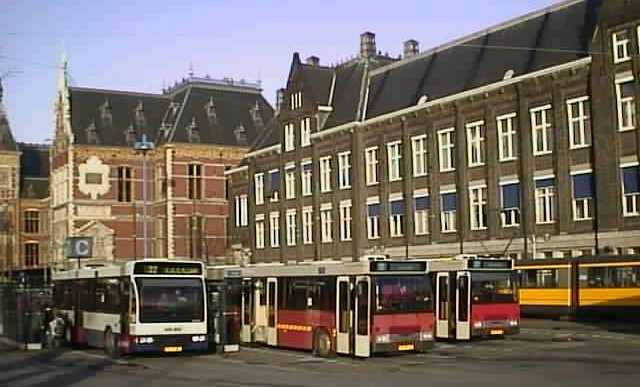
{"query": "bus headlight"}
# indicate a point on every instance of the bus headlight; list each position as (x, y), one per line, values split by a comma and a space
(426, 336)
(478, 324)
(513, 323)
(383, 338)
(145, 340)
(198, 339)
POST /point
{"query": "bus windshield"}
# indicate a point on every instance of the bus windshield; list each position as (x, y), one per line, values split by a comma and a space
(402, 294)
(493, 287)
(170, 300)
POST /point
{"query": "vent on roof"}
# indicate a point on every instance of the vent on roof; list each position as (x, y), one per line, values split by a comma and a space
(423, 99)
(411, 48)
(141, 121)
(193, 132)
(241, 135)
(256, 115)
(313, 60)
(92, 134)
(368, 45)
(508, 74)
(106, 115)
(130, 135)
(210, 109)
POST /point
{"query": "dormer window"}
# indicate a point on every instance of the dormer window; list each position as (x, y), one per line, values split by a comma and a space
(130, 135)
(295, 100)
(141, 121)
(620, 43)
(210, 109)
(241, 135)
(193, 132)
(92, 133)
(106, 115)
(256, 116)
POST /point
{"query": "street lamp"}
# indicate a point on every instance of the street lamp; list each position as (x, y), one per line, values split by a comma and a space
(144, 146)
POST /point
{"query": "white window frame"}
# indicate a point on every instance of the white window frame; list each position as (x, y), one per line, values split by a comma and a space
(623, 43)
(536, 130)
(296, 100)
(629, 102)
(345, 220)
(581, 118)
(585, 204)
(306, 177)
(630, 202)
(475, 143)
(506, 136)
(241, 211)
(419, 155)
(396, 222)
(373, 222)
(371, 165)
(290, 182)
(259, 188)
(326, 223)
(514, 213)
(307, 225)
(545, 202)
(275, 194)
(446, 150)
(344, 170)
(305, 132)
(259, 232)
(291, 227)
(477, 207)
(448, 218)
(325, 174)
(394, 160)
(421, 217)
(274, 229)
(289, 137)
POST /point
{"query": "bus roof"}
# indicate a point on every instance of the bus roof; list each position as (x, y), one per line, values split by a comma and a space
(113, 270)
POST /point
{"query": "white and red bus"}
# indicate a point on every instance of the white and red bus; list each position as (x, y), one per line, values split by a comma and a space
(141, 306)
(474, 297)
(330, 307)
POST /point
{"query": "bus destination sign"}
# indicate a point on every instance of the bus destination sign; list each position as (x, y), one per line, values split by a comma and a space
(167, 268)
(398, 266)
(504, 264)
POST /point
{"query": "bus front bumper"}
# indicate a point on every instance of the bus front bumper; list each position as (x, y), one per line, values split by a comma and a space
(169, 344)
(495, 331)
(409, 346)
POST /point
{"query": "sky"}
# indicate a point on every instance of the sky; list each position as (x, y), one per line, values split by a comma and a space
(148, 44)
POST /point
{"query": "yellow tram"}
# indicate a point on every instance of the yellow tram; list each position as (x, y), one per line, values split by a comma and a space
(605, 286)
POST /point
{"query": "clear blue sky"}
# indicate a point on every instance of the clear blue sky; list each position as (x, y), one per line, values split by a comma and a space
(142, 45)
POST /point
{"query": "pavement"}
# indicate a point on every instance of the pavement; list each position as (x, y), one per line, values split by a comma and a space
(546, 353)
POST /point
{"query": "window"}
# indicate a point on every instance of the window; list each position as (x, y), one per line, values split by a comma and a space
(295, 100)
(344, 170)
(631, 191)
(259, 188)
(274, 184)
(260, 234)
(326, 224)
(582, 196)
(545, 200)
(289, 137)
(620, 45)
(345, 220)
(448, 213)
(291, 227)
(93, 178)
(290, 183)
(394, 156)
(373, 220)
(421, 214)
(124, 184)
(510, 204)
(625, 96)
(419, 149)
(396, 218)
(541, 130)
(371, 161)
(446, 144)
(241, 211)
(478, 207)
(307, 225)
(475, 143)
(305, 132)
(31, 254)
(274, 228)
(325, 174)
(507, 142)
(306, 178)
(579, 122)
(32, 221)
(195, 181)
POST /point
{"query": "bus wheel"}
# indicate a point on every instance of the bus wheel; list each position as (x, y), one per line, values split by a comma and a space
(322, 344)
(111, 343)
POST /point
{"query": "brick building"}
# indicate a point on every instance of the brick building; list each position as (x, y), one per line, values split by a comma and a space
(521, 139)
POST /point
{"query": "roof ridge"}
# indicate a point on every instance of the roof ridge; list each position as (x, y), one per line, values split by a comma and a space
(122, 92)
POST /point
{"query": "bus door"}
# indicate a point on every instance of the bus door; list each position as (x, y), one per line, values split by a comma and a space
(247, 311)
(442, 305)
(260, 311)
(272, 311)
(463, 305)
(344, 317)
(363, 313)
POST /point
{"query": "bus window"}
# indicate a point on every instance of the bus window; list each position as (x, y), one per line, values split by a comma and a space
(443, 298)
(170, 300)
(271, 300)
(343, 326)
(492, 287)
(405, 294)
(363, 307)
(463, 300)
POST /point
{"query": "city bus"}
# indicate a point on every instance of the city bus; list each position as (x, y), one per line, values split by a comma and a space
(474, 297)
(357, 308)
(141, 306)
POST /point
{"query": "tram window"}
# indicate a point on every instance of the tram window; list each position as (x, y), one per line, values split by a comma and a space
(343, 326)
(610, 277)
(362, 290)
(271, 299)
(544, 278)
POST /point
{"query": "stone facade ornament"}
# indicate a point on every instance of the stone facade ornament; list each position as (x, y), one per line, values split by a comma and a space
(94, 177)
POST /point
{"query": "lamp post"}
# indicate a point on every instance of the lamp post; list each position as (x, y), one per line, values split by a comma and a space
(144, 146)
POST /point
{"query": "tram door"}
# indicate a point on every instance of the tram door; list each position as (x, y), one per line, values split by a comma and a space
(247, 311)
(363, 314)
(463, 305)
(272, 311)
(344, 316)
(442, 305)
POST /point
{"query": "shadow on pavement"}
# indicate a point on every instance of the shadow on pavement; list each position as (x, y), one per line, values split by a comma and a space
(44, 356)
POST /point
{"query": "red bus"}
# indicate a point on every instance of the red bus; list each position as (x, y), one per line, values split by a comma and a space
(475, 297)
(330, 307)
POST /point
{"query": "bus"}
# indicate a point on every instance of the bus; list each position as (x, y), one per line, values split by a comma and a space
(357, 308)
(474, 297)
(141, 306)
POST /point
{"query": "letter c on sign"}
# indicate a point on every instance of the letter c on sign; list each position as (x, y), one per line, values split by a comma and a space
(82, 248)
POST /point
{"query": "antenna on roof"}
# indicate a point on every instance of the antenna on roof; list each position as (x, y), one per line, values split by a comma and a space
(191, 70)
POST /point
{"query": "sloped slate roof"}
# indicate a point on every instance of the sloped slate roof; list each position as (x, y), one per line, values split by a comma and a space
(318, 78)
(34, 171)
(552, 37)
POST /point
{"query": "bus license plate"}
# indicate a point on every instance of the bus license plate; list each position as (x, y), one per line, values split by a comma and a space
(496, 332)
(172, 349)
(406, 347)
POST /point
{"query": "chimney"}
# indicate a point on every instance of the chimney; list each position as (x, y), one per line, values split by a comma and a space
(313, 61)
(279, 99)
(367, 45)
(411, 48)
